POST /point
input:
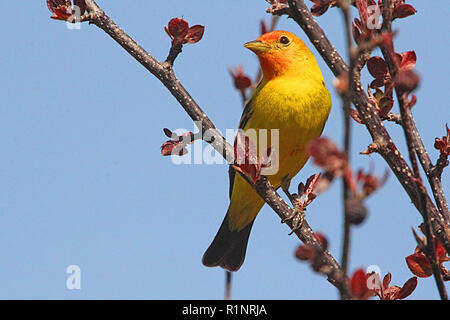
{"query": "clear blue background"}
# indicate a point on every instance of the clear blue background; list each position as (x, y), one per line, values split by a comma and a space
(82, 180)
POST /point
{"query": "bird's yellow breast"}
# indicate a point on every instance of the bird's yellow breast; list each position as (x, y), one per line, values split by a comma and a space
(298, 108)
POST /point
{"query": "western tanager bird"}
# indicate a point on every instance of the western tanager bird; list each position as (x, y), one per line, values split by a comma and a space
(291, 97)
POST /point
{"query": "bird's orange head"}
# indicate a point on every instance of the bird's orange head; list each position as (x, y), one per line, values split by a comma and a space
(281, 53)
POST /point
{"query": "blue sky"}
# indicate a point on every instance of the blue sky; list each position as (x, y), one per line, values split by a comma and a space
(82, 181)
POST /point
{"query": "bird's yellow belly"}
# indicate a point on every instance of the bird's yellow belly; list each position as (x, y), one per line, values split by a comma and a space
(297, 122)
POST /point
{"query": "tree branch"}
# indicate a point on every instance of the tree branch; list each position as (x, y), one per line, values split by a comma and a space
(412, 137)
(347, 98)
(381, 138)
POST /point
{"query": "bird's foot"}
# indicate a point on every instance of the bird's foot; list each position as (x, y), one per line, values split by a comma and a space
(297, 217)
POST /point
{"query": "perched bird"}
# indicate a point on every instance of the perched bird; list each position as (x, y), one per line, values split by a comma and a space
(291, 97)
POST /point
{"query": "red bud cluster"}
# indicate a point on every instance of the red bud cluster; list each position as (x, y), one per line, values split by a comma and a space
(247, 161)
(312, 255)
(241, 81)
(63, 10)
(443, 144)
(180, 32)
(327, 155)
(402, 10)
(305, 252)
(321, 6)
(419, 262)
(405, 80)
(365, 285)
(177, 144)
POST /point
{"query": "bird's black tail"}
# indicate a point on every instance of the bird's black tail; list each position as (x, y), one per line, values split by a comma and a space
(228, 247)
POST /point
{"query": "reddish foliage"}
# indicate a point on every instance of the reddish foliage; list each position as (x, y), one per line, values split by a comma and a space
(360, 29)
(370, 183)
(419, 265)
(241, 81)
(321, 6)
(406, 80)
(403, 10)
(419, 262)
(326, 154)
(407, 59)
(63, 9)
(246, 158)
(306, 193)
(387, 292)
(365, 285)
(305, 252)
(378, 69)
(443, 144)
(176, 146)
(358, 285)
(180, 32)
(195, 34)
(264, 29)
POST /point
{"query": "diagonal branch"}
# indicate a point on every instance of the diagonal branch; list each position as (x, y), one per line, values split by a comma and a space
(165, 74)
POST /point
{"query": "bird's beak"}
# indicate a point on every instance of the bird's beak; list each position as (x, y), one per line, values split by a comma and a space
(257, 46)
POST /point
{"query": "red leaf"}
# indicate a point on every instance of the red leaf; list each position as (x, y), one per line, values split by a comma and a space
(419, 265)
(408, 60)
(311, 183)
(387, 280)
(358, 285)
(406, 80)
(175, 148)
(385, 104)
(441, 254)
(263, 27)
(246, 157)
(178, 29)
(390, 293)
(407, 288)
(61, 9)
(327, 155)
(319, 9)
(194, 34)
(304, 252)
(241, 81)
(363, 12)
(356, 32)
(403, 10)
(377, 67)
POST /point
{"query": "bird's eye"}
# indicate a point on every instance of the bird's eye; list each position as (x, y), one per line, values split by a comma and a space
(284, 40)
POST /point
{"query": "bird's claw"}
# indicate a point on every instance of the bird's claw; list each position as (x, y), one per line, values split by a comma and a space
(297, 217)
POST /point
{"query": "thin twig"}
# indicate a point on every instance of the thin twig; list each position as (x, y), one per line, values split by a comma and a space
(347, 98)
